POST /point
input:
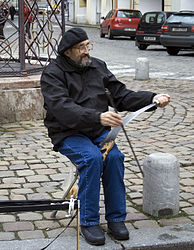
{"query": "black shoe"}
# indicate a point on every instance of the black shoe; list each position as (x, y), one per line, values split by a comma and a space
(93, 235)
(118, 230)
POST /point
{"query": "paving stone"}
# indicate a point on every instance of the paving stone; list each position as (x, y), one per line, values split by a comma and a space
(130, 209)
(38, 196)
(56, 165)
(46, 224)
(145, 224)
(186, 196)
(4, 163)
(191, 201)
(17, 226)
(4, 192)
(46, 171)
(7, 218)
(38, 166)
(17, 197)
(175, 221)
(187, 182)
(184, 204)
(188, 210)
(58, 177)
(135, 217)
(25, 172)
(9, 185)
(6, 173)
(18, 167)
(12, 180)
(7, 236)
(31, 185)
(37, 178)
(55, 232)
(4, 197)
(133, 195)
(36, 234)
(17, 162)
(46, 189)
(64, 222)
(29, 216)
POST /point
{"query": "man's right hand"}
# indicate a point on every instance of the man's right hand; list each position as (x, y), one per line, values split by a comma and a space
(111, 119)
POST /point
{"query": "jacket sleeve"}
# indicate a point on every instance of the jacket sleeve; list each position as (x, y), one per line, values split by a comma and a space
(124, 98)
(60, 105)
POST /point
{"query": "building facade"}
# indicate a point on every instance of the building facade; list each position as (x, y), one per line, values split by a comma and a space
(91, 11)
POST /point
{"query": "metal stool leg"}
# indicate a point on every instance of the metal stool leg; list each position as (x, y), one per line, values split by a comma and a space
(53, 214)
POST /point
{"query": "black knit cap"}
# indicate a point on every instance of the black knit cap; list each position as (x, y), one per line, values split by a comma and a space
(70, 38)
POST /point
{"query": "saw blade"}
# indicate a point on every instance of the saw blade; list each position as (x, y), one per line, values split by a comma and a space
(111, 136)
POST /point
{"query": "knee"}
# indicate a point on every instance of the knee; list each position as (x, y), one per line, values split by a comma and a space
(92, 160)
(115, 155)
(94, 156)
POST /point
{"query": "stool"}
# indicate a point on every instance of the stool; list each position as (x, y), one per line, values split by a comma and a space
(53, 214)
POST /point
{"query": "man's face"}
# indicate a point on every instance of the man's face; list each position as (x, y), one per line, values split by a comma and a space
(80, 53)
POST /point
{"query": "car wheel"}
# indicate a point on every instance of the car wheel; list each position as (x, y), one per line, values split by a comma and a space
(101, 33)
(142, 46)
(110, 36)
(172, 51)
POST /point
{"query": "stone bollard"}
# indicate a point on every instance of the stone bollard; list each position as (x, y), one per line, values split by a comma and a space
(161, 185)
(142, 68)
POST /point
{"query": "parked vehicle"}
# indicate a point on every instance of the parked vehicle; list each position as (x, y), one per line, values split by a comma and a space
(178, 32)
(120, 22)
(149, 28)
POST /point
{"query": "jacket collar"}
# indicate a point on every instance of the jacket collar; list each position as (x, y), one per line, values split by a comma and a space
(66, 66)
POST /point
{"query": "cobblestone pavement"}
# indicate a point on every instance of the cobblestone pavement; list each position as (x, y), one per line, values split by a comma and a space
(29, 169)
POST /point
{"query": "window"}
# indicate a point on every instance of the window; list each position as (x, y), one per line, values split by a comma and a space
(82, 3)
(128, 14)
(181, 19)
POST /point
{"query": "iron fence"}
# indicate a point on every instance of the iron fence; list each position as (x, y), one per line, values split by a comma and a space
(29, 41)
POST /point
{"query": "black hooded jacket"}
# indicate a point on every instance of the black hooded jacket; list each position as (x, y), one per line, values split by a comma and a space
(74, 100)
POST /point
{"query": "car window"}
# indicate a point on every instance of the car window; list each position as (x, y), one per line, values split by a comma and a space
(154, 18)
(149, 18)
(110, 14)
(128, 14)
(160, 18)
(181, 19)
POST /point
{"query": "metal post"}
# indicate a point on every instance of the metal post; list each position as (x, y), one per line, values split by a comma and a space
(63, 15)
(21, 38)
(162, 5)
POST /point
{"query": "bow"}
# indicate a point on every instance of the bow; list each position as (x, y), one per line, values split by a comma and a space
(108, 142)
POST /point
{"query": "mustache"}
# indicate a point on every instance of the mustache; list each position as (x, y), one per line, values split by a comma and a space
(83, 56)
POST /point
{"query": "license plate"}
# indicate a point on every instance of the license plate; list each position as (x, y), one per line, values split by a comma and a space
(129, 29)
(179, 29)
(149, 38)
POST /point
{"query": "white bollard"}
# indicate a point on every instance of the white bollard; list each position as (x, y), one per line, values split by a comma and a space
(142, 68)
(161, 185)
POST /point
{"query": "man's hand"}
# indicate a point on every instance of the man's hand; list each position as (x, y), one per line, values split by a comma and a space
(110, 119)
(161, 99)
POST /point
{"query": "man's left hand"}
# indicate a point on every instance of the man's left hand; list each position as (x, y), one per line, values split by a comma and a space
(161, 99)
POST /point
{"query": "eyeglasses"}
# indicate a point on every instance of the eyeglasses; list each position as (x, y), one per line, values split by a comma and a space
(83, 48)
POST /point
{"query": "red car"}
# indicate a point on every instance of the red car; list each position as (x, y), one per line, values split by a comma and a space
(120, 22)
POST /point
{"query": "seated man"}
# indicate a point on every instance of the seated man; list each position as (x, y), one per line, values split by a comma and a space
(73, 86)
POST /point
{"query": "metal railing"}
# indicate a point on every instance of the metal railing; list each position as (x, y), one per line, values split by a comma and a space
(28, 42)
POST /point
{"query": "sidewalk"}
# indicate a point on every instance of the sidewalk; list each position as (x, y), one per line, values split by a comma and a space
(29, 169)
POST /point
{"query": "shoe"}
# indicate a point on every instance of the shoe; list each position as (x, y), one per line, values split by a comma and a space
(118, 230)
(93, 235)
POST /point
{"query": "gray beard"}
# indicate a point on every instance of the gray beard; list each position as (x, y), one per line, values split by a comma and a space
(85, 64)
